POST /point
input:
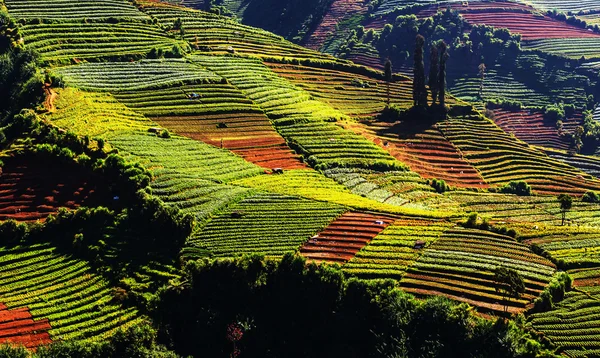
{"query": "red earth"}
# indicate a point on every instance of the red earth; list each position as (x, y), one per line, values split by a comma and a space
(345, 236)
(531, 127)
(339, 10)
(18, 327)
(31, 191)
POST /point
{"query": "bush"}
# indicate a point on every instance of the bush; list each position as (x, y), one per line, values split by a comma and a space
(519, 188)
(591, 197)
(553, 293)
(440, 186)
(554, 113)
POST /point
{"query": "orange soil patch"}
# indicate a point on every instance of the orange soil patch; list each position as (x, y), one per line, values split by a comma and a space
(18, 327)
(339, 10)
(428, 153)
(32, 190)
(531, 128)
(50, 98)
(345, 236)
(249, 135)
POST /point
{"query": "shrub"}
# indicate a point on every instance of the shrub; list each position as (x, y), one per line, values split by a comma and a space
(439, 185)
(519, 188)
(591, 197)
(554, 113)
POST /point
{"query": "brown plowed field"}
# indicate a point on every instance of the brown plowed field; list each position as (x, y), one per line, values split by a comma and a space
(344, 237)
(31, 191)
(18, 327)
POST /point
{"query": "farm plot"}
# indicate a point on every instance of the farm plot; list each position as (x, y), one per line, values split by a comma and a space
(77, 303)
(188, 174)
(67, 10)
(501, 159)
(213, 33)
(269, 224)
(339, 10)
(17, 327)
(530, 26)
(191, 101)
(586, 163)
(32, 189)
(388, 6)
(388, 187)
(94, 114)
(573, 246)
(427, 153)
(303, 121)
(354, 95)
(523, 209)
(564, 5)
(476, 7)
(366, 55)
(460, 265)
(574, 48)
(313, 185)
(531, 127)
(344, 237)
(64, 42)
(573, 325)
(395, 249)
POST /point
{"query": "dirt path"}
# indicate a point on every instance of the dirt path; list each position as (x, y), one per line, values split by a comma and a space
(50, 98)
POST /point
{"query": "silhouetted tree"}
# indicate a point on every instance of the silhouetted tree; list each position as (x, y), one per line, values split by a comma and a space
(566, 203)
(509, 283)
(388, 78)
(419, 90)
(433, 73)
(443, 51)
(482, 70)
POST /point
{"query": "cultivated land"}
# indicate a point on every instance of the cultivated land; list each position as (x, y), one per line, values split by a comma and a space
(273, 148)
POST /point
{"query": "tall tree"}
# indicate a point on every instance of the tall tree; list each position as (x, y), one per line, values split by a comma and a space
(482, 70)
(509, 283)
(443, 51)
(419, 90)
(566, 203)
(388, 78)
(433, 73)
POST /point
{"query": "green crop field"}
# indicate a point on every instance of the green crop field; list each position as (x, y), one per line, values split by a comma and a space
(174, 182)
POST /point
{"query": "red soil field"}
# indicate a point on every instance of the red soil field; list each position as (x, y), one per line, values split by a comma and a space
(18, 327)
(32, 190)
(368, 60)
(428, 153)
(249, 135)
(344, 237)
(339, 10)
(477, 6)
(533, 129)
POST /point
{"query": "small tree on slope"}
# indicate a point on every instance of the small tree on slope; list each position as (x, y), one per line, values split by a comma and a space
(443, 51)
(509, 283)
(388, 78)
(419, 90)
(433, 73)
(566, 203)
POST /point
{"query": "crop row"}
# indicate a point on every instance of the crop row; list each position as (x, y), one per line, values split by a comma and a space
(265, 223)
(78, 303)
(572, 48)
(67, 10)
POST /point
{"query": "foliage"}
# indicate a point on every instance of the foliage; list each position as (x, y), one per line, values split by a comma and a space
(439, 185)
(520, 188)
(20, 80)
(508, 282)
(566, 203)
(353, 317)
(419, 90)
(553, 293)
(591, 197)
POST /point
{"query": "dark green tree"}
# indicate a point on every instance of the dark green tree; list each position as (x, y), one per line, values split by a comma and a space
(566, 203)
(482, 70)
(443, 52)
(419, 90)
(509, 283)
(388, 78)
(433, 73)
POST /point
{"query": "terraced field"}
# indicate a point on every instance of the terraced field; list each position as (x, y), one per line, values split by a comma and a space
(270, 224)
(531, 127)
(501, 159)
(428, 153)
(18, 327)
(573, 324)
(339, 10)
(303, 121)
(460, 265)
(190, 101)
(188, 174)
(96, 10)
(394, 250)
(589, 164)
(217, 34)
(574, 48)
(59, 290)
(344, 237)
(564, 5)
(31, 189)
(357, 96)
